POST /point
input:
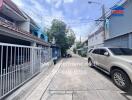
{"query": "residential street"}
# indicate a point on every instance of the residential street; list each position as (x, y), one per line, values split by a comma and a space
(72, 79)
(49, 49)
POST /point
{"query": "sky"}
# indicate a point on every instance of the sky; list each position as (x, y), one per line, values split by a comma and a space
(77, 14)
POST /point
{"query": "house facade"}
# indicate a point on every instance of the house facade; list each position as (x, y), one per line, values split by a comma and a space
(18, 28)
(96, 39)
(119, 32)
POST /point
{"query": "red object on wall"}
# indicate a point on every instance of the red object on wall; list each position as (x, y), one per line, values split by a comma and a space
(118, 12)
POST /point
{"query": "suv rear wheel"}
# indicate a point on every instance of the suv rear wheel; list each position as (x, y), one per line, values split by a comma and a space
(90, 63)
(121, 79)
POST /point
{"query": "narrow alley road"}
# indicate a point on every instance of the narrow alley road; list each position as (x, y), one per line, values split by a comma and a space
(74, 80)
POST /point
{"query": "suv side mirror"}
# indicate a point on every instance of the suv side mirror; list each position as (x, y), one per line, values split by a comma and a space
(106, 54)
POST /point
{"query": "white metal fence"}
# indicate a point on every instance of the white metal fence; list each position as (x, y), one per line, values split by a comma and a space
(46, 54)
(17, 65)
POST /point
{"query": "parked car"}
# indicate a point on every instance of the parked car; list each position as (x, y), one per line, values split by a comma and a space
(69, 55)
(117, 62)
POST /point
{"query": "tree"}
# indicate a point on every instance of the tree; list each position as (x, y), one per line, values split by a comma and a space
(79, 45)
(58, 30)
(71, 37)
(49, 35)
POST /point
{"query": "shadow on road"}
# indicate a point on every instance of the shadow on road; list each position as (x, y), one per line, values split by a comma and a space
(103, 74)
(124, 94)
(127, 94)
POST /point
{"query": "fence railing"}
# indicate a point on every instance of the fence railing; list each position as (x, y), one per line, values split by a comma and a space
(46, 54)
(17, 65)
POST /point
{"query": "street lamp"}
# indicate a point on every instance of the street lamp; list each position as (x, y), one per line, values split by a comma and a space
(103, 14)
(90, 2)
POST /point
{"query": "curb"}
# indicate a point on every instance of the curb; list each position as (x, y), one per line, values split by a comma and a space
(40, 90)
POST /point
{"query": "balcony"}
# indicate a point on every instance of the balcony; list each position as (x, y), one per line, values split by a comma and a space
(19, 33)
(10, 25)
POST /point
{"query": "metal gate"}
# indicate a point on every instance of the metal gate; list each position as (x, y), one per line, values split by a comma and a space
(17, 65)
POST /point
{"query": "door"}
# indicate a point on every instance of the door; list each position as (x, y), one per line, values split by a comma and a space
(103, 60)
(95, 54)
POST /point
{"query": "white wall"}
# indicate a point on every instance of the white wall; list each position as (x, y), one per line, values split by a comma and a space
(24, 25)
(97, 40)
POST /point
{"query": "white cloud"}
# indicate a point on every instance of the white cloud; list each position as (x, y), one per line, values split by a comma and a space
(38, 12)
(56, 3)
(65, 1)
(82, 30)
(18, 2)
(32, 10)
(48, 1)
(55, 15)
(37, 6)
(68, 1)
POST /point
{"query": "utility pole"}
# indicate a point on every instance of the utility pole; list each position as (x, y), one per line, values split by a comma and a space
(80, 39)
(104, 19)
(103, 15)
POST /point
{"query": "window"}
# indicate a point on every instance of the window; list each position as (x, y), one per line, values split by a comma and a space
(121, 51)
(96, 51)
(102, 51)
(90, 50)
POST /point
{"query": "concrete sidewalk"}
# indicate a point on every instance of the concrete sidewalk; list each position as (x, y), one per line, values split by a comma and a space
(40, 90)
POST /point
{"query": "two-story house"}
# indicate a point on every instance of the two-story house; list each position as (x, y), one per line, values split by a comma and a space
(18, 28)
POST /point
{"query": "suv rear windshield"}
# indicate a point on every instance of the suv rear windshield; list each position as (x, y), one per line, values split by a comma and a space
(121, 51)
(96, 51)
(90, 50)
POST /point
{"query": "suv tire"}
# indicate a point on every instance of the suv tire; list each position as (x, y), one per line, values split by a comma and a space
(90, 63)
(121, 79)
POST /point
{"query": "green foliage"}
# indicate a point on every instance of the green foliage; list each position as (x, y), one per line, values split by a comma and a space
(71, 38)
(79, 45)
(59, 31)
(82, 52)
(74, 50)
(50, 37)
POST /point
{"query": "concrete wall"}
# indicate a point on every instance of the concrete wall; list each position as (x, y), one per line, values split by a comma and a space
(119, 25)
(121, 41)
(25, 25)
(96, 40)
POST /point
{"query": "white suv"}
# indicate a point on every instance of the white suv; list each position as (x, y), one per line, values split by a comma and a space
(116, 62)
